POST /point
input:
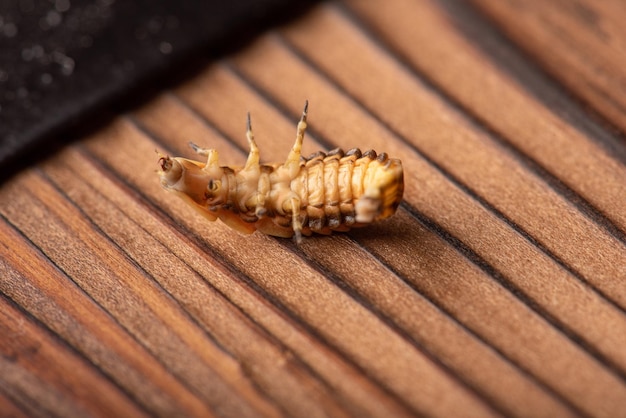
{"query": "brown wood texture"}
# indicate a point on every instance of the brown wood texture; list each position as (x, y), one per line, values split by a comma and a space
(498, 289)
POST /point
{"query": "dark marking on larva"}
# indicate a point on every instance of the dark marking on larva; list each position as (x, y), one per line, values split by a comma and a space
(267, 169)
(319, 155)
(354, 151)
(337, 151)
(370, 153)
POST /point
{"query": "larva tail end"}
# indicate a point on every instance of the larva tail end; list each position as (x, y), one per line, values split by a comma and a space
(383, 197)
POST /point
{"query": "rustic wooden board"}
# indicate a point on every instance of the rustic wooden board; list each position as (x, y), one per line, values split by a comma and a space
(499, 288)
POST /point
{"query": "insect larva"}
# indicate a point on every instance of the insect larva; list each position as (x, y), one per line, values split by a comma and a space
(322, 193)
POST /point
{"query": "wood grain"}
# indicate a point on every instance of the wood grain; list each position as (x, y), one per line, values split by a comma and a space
(581, 44)
(498, 289)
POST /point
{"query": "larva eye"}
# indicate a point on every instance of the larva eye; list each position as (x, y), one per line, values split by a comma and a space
(214, 185)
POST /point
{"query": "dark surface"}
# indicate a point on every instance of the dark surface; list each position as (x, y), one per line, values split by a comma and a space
(63, 62)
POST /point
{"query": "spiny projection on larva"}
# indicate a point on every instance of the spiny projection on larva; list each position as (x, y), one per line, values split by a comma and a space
(325, 192)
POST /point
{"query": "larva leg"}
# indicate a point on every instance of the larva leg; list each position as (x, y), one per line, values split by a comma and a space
(253, 168)
(295, 218)
(252, 163)
(263, 190)
(368, 206)
(293, 159)
(211, 155)
(199, 150)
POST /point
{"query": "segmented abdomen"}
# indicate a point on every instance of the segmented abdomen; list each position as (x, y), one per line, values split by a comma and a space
(339, 191)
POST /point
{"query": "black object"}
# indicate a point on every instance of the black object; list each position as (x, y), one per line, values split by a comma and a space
(64, 61)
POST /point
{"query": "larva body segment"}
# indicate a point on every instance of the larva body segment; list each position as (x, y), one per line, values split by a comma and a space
(322, 193)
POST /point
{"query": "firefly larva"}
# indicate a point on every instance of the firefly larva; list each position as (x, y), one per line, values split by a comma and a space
(322, 193)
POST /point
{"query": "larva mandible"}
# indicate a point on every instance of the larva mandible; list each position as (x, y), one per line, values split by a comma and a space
(322, 193)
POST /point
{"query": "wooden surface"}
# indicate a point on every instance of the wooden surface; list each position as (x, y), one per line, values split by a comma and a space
(499, 288)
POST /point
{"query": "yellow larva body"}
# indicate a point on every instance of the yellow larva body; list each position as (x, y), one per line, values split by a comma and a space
(321, 193)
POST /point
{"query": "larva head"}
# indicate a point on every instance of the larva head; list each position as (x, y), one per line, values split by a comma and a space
(170, 171)
(192, 181)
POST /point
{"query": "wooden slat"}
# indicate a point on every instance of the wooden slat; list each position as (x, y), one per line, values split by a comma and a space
(84, 264)
(582, 44)
(493, 96)
(51, 297)
(34, 371)
(11, 408)
(499, 287)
